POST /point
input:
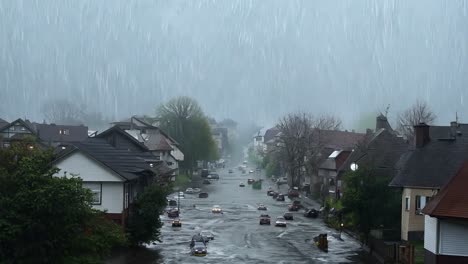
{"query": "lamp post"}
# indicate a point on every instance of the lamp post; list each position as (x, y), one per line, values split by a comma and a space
(178, 200)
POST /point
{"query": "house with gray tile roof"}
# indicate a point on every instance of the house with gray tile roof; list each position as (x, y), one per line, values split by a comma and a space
(424, 169)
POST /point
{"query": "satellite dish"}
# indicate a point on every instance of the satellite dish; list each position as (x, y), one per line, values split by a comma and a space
(354, 166)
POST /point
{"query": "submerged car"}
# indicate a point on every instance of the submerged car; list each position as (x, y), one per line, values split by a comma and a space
(293, 207)
(288, 216)
(280, 221)
(241, 184)
(198, 238)
(280, 197)
(173, 213)
(217, 209)
(270, 192)
(262, 207)
(189, 191)
(250, 181)
(206, 182)
(199, 249)
(207, 235)
(293, 193)
(203, 195)
(196, 190)
(251, 171)
(176, 223)
(213, 176)
(265, 219)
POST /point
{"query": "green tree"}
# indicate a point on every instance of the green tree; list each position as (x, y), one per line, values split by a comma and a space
(370, 202)
(184, 120)
(47, 219)
(144, 222)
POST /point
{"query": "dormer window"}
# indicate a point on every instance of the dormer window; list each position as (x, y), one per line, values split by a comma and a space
(23, 128)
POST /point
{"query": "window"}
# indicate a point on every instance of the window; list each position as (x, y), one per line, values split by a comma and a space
(6, 145)
(407, 203)
(421, 202)
(64, 132)
(169, 163)
(96, 190)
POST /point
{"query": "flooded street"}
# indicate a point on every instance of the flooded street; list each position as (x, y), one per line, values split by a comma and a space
(238, 236)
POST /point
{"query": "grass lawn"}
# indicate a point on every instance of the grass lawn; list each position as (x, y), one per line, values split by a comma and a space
(418, 252)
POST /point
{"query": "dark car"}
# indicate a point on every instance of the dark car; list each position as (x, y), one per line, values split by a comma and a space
(270, 192)
(198, 238)
(275, 195)
(176, 223)
(250, 181)
(293, 207)
(262, 207)
(288, 216)
(241, 184)
(312, 213)
(293, 193)
(199, 249)
(172, 202)
(265, 219)
(206, 182)
(173, 213)
(213, 176)
(203, 195)
(297, 203)
(204, 173)
(280, 197)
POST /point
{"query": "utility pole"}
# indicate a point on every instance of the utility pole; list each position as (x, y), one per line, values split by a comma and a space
(178, 200)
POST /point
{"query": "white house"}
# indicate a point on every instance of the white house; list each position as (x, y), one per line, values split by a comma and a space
(114, 176)
(446, 222)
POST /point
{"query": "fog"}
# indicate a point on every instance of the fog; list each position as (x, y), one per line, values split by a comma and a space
(247, 60)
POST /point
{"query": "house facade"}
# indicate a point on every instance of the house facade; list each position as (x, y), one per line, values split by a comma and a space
(15, 131)
(328, 172)
(446, 222)
(114, 176)
(421, 171)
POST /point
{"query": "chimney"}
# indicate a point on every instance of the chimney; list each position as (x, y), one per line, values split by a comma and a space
(381, 122)
(421, 135)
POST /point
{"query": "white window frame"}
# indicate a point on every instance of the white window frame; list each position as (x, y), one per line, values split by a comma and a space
(96, 190)
(407, 203)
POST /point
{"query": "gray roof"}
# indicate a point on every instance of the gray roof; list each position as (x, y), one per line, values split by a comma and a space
(129, 165)
(51, 132)
(3, 123)
(434, 164)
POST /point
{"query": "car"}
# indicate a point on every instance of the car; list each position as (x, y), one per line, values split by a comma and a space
(283, 180)
(181, 194)
(297, 203)
(230, 171)
(217, 209)
(241, 184)
(293, 193)
(262, 207)
(199, 249)
(173, 213)
(206, 182)
(275, 195)
(280, 197)
(251, 171)
(172, 203)
(196, 190)
(203, 195)
(293, 207)
(204, 173)
(288, 216)
(189, 191)
(280, 221)
(207, 235)
(250, 181)
(265, 219)
(198, 238)
(270, 192)
(312, 213)
(213, 176)
(258, 169)
(176, 223)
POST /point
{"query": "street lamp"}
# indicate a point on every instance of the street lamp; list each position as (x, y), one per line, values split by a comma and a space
(341, 229)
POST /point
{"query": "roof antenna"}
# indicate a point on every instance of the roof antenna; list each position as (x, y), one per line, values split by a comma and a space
(386, 110)
(456, 117)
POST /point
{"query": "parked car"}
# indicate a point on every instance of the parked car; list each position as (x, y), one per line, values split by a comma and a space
(207, 235)
(172, 202)
(204, 173)
(173, 213)
(199, 249)
(283, 180)
(312, 213)
(297, 203)
(189, 191)
(270, 192)
(280, 221)
(262, 207)
(176, 223)
(206, 182)
(241, 184)
(280, 197)
(196, 190)
(265, 219)
(216, 209)
(250, 181)
(181, 195)
(275, 195)
(293, 193)
(198, 238)
(251, 171)
(288, 216)
(203, 195)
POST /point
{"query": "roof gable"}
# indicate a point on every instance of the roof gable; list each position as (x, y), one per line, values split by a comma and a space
(125, 135)
(27, 125)
(452, 200)
(61, 133)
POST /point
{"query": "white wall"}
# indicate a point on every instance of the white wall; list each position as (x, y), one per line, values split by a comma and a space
(91, 171)
(430, 234)
(453, 238)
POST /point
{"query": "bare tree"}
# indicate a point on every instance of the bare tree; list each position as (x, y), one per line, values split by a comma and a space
(62, 111)
(420, 112)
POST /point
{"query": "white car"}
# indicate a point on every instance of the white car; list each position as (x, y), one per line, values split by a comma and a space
(207, 235)
(189, 190)
(196, 190)
(280, 221)
(181, 194)
(216, 209)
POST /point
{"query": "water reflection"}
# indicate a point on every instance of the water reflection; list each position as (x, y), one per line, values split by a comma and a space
(141, 255)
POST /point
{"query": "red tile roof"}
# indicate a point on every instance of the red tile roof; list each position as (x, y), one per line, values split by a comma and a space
(452, 200)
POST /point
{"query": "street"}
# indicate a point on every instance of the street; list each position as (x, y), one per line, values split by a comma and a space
(238, 236)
